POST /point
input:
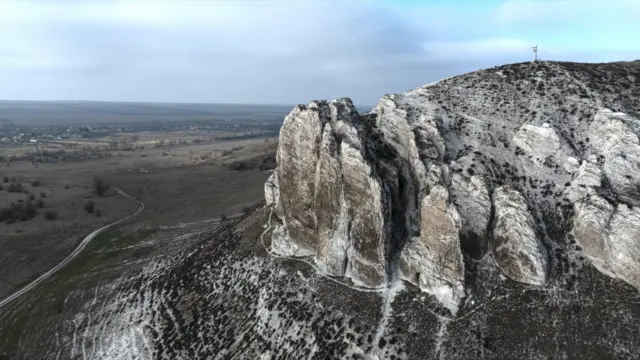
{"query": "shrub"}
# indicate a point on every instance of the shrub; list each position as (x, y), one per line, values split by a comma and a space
(43, 194)
(98, 212)
(50, 215)
(31, 197)
(100, 185)
(5, 213)
(89, 206)
(36, 183)
(18, 212)
(5, 179)
(40, 203)
(28, 211)
(15, 187)
(223, 217)
(259, 163)
(246, 209)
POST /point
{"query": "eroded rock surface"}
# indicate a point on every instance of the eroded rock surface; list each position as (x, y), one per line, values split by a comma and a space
(333, 210)
(474, 204)
(518, 252)
(434, 260)
(530, 166)
(540, 142)
(615, 140)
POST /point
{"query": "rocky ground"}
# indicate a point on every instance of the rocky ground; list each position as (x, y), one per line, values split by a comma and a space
(225, 297)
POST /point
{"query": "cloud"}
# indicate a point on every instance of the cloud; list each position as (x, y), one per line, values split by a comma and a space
(490, 48)
(537, 12)
(265, 51)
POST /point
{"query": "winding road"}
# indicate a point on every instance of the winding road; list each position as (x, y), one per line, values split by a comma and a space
(75, 252)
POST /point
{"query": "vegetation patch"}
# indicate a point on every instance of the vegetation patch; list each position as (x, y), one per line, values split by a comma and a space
(261, 162)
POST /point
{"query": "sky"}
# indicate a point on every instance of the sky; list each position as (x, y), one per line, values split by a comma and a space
(287, 52)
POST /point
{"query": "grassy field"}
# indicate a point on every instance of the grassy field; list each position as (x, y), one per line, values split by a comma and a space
(189, 163)
(185, 189)
(180, 184)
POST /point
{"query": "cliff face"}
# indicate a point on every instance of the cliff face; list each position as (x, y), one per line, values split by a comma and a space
(531, 167)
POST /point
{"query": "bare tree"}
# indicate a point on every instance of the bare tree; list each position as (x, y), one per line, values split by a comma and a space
(100, 185)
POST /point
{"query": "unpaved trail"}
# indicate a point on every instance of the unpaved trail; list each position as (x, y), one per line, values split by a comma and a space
(74, 253)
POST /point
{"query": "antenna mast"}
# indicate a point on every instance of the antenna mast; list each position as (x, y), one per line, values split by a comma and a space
(535, 53)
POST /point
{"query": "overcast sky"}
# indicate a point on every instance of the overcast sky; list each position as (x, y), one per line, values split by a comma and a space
(287, 52)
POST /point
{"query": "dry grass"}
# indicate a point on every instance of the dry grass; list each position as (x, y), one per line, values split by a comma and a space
(178, 184)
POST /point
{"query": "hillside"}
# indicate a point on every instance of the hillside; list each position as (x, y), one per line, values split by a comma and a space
(492, 215)
(530, 170)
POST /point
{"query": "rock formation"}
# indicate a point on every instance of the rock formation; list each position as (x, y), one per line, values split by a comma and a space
(508, 197)
(518, 252)
(525, 166)
(434, 260)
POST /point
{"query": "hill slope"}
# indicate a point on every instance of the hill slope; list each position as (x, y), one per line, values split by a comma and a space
(529, 166)
(472, 218)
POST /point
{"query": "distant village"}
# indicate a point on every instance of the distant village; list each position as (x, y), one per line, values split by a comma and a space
(26, 134)
(10, 133)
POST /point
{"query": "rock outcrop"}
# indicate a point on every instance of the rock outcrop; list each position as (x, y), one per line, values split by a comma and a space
(330, 207)
(434, 260)
(518, 252)
(521, 166)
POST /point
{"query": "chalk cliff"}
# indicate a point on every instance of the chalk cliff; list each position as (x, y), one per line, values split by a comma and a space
(534, 166)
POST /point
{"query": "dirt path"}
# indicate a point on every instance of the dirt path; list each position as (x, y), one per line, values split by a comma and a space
(75, 252)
